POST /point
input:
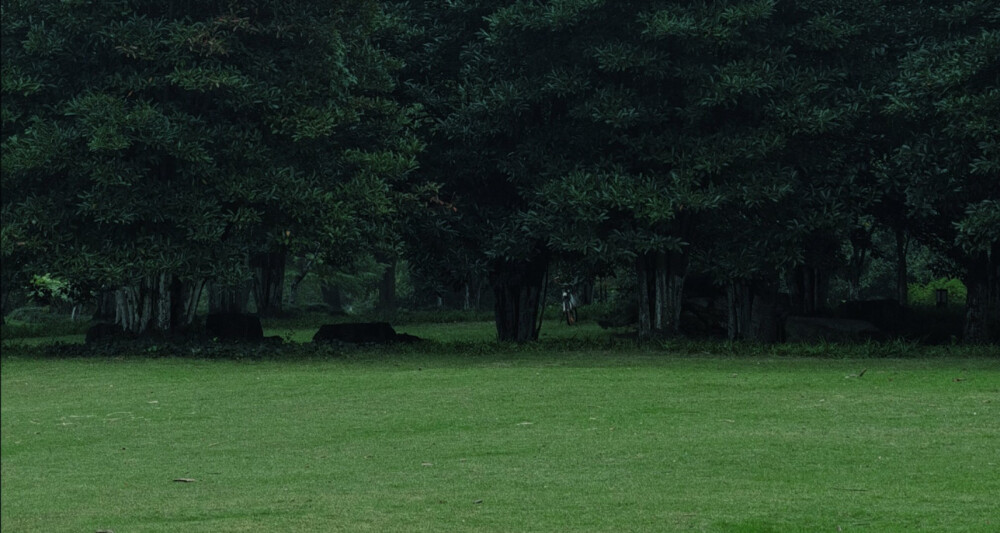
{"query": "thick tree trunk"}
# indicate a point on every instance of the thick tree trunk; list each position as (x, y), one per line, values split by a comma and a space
(333, 298)
(740, 299)
(902, 288)
(163, 303)
(854, 283)
(387, 288)
(800, 291)
(642, 289)
(133, 307)
(808, 288)
(861, 244)
(672, 294)
(764, 313)
(479, 293)
(162, 298)
(229, 298)
(753, 311)
(184, 299)
(268, 282)
(587, 292)
(304, 266)
(518, 287)
(661, 278)
(982, 305)
(105, 306)
(6, 288)
(660, 288)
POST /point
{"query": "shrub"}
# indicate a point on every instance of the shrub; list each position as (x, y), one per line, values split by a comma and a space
(923, 294)
(46, 325)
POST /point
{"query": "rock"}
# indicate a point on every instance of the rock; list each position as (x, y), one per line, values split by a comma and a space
(361, 333)
(817, 329)
(104, 332)
(887, 315)
(234, 326)
(407, 338)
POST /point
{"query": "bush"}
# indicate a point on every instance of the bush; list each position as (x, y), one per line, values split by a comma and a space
(923, 295)
(41, 325)
(48, 290)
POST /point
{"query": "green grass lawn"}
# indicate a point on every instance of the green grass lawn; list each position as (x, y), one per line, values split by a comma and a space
(638, 439)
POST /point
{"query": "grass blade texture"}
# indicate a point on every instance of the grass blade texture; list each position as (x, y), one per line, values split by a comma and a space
(583, 441)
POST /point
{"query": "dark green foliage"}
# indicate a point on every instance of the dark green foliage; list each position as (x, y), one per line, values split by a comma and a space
(178, 138)
(766, 144)
(923, 294)
(945, 98)
(643, 133)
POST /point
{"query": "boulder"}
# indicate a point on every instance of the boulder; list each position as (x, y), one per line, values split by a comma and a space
(407, 338)
(234, 326)
(887, 315)
(361, 333)
(817, 329)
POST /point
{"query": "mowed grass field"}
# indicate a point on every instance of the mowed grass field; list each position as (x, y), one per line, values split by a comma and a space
(471, 437)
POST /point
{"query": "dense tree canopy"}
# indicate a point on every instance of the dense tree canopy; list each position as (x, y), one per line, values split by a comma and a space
(760, 143)
(150, 147)
(946, 98)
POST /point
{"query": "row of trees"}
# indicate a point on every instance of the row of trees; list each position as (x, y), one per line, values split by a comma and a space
(745, 139)
(149, 149)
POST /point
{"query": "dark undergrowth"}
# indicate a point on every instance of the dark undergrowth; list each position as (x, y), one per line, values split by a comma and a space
(275, 348)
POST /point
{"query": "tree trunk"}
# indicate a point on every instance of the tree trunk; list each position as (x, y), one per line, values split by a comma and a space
(518, 287)
(479, 294)
(162, 300)
(229, 298)
(268, 282)
(133, 307)
(184, 298)
(587, 292)
(673, 290)
(164, 304)
(808, 288)
(304, 266)
(105, 306)
(642, 288)
(982, 304)
(387, 288)
(902, 288)
(740, 299)
(799, 282)
(333, 298)
(764, 317)
(753, 311)
(854, 284)
(6, 289)
(860, 246)
(661, 289)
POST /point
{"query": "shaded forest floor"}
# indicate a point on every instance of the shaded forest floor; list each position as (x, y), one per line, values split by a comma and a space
(448, 333)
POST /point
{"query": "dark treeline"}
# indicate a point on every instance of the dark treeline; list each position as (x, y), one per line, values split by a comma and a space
(156, 151)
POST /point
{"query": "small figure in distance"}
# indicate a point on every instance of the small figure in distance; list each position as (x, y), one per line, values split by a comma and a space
(569, 306)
